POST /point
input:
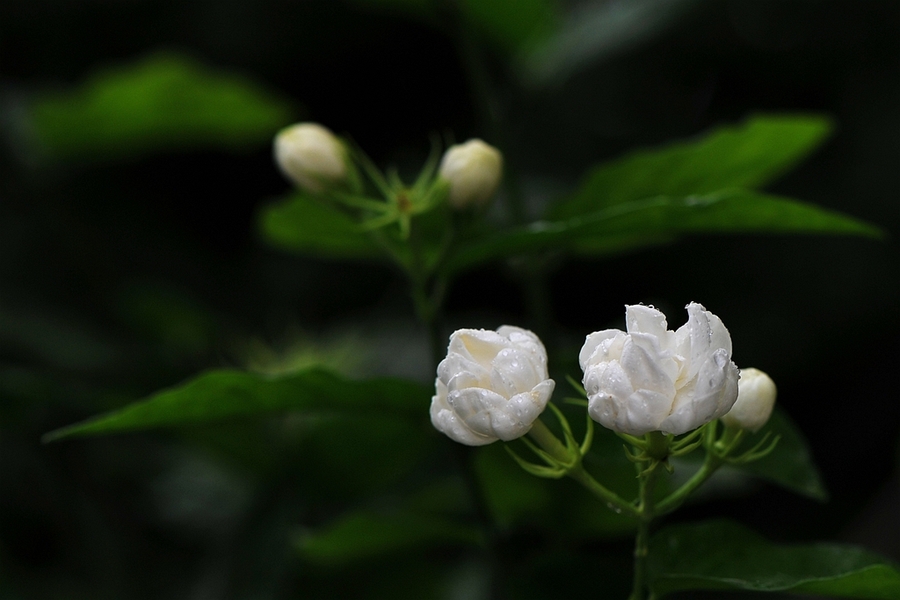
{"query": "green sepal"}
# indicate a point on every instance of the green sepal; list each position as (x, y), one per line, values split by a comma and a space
(576, 402)
(588, 436)
(538, 470)
(577, 385)
(688, 443)
(634, 441)
(551, 462)
(755, 453)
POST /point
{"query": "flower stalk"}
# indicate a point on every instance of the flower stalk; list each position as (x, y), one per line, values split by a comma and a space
(565, 460)
(646, 513)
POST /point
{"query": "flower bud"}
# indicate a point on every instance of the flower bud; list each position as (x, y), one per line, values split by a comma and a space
(653, 379)
(311, 156)
(473, 170)
(755, 401)
(492, 385)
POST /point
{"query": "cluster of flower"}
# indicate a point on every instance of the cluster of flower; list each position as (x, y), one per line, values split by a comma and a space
(315, 160)
(495, 384)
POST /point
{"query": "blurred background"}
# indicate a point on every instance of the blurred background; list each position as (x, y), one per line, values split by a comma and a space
(130, 257)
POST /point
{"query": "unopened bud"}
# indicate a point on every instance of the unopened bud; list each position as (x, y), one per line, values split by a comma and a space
(473, 170)
(756, 398)
(311, 155)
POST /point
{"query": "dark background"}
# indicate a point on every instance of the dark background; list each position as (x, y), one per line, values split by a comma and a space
(81, 243)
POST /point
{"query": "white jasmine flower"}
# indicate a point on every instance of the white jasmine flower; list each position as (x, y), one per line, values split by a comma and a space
(653, 379)
(474, 170)
(755, 401)
(310, 155)
(492, 385)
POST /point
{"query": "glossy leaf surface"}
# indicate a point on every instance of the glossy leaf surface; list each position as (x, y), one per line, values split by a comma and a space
(749, 155)
(229, 394)
(722, 555)
(647, 222)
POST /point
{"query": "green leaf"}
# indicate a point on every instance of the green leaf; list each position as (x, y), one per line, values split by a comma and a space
(345, 457)
(594, 31)
(721, 555)
(791, 464)
(647, 222)
(365, 534)
(228, 394)
(304, 224)
(163, 102)
(749, 155)
(513, 25)
(511, 494)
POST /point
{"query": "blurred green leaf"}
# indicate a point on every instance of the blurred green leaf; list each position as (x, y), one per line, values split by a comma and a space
(749, 155)
(791, 464)
(596, 30)
(228, 394)
(162, 102)
(513, 25)
(646, 222)
(333, 459)
(344, 354)
(303, 224)
(511, 494)
(721, 555)
(366, 534)
(344, 457)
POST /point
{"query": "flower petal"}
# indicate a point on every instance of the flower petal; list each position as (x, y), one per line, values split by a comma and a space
(447, 422)
(513, 372)
(710, 395)
(479, 409)
(649, 367)
(601, 341)
(645, 319)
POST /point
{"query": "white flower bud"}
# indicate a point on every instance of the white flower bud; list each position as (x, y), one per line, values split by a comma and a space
(653, 379)
(492, 385)
(474, 170)
(311, 156)
(755, 401)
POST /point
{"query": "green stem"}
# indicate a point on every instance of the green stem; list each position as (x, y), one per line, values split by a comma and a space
(647, 511)
(551, 444)
(428, 307)
(676, 498)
